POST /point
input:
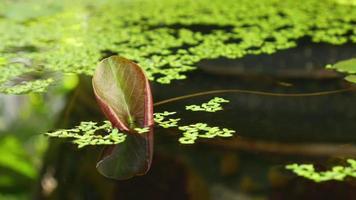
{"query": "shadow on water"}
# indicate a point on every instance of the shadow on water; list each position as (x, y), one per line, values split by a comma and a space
(271, 132)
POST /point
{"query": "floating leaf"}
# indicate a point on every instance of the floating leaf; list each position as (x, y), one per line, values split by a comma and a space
(123, 93)
(346, 66)
(351, 78)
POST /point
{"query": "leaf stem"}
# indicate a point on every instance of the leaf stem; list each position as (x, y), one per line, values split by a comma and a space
(253, 92)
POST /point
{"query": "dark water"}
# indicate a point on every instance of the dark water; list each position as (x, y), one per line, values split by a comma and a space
(272, 131)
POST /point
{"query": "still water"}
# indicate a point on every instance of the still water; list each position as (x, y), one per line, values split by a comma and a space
(271, 131)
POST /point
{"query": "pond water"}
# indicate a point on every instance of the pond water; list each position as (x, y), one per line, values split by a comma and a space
(271, 131)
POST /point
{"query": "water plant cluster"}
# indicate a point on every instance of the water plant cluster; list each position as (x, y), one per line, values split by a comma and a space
(337, 173)
(211, 106)
(91, 133)
(198, 130)
(161, 119)
(202, 130)
(167, 38)
(88, 133)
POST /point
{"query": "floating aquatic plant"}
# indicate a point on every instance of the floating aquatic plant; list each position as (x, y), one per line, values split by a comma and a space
(199, 130)
(123, 93)
(161, 119)
(202, 130)
(84, 134)
(37, 86)
(124, 96)
(338, 173)
(211, 106)
(346, 66)
(166, 37)
(194, 131)
(191, 132)
(87, 133)
(351, 78)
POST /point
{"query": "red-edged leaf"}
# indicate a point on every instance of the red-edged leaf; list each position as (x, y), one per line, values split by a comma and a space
(123, 93)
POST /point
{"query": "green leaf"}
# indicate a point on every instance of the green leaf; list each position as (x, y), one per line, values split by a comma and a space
(347, 66)
(351, 78)
(123, 93)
